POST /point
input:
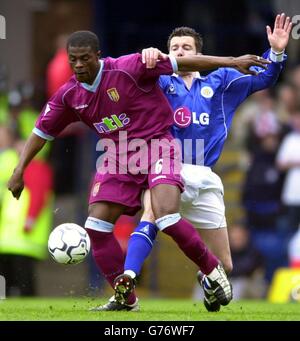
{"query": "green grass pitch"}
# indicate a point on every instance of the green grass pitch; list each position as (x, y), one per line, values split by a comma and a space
(76, 309)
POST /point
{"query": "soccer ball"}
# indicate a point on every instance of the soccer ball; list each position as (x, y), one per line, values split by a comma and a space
(69, 244)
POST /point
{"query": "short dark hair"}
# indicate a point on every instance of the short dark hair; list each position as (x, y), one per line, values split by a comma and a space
(187, 31)
(84, 39)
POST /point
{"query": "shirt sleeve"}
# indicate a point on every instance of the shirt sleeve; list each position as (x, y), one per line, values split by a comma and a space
(245, 85)
(164, 82)
(54, 117)
(133, 65)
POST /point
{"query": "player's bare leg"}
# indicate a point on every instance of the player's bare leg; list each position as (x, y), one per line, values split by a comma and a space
(218, 242)
(107, 211)
(148, 214)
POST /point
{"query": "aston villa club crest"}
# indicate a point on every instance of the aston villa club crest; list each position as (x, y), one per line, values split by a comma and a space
(113, 94)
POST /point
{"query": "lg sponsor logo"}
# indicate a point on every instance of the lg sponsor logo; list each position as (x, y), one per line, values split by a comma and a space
(183, 118)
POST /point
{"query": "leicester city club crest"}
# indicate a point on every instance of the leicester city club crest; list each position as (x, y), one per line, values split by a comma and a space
(207, 92)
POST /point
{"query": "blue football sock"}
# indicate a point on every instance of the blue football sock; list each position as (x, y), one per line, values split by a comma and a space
(139, 246)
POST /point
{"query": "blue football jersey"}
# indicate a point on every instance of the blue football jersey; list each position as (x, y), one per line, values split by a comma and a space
(203, 114)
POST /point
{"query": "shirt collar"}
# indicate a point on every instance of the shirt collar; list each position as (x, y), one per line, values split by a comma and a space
(197, 75)
(93, 87)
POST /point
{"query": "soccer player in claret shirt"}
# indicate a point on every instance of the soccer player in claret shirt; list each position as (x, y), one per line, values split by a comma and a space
(203, 108)
(122, 95)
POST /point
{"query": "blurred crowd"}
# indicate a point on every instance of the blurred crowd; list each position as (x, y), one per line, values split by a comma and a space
(268, 133)
(24, 224)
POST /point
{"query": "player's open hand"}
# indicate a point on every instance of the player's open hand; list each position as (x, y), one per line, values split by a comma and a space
(16, 184)
(279, 38)
(151, 55)
(243, 63)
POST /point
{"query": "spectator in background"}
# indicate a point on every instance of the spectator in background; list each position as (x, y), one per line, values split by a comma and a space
(262, 119)
(261, 195)
(250, 111)
(58, 70)
(286, 101)
(3, 94)
(22, 113)
(295, 79)
(8, 157)
(247, 274)
(288, 159)
(294, 250)
(24, 224)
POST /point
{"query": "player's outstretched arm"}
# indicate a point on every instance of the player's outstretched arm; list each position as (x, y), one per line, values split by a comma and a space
(33, 145)
(201, 62)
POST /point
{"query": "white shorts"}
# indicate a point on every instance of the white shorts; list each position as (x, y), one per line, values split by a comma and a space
(202, 201)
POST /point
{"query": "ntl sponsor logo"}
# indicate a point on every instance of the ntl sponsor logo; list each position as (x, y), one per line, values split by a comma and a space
(114, 122)
(2, 27)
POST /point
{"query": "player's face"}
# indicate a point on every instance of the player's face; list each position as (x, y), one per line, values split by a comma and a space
(182, 46)
(84, 63)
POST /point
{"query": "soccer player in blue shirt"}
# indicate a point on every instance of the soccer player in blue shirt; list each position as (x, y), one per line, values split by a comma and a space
(203, 110)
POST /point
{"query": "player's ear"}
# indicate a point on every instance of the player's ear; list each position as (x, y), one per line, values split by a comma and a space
(99, 54)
